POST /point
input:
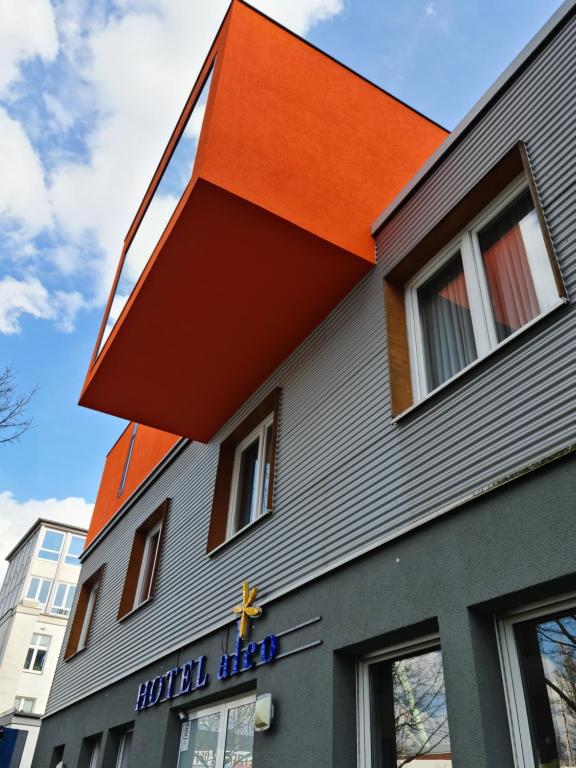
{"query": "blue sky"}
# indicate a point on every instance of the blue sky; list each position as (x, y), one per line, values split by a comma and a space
(89, 93)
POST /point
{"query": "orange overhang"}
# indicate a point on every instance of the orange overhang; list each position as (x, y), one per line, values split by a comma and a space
(296, 157)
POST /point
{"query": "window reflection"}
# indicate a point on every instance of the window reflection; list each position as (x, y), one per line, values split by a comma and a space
(409, 721)
(239, 737)
(160, 209)
(547, 650)
(202, 748)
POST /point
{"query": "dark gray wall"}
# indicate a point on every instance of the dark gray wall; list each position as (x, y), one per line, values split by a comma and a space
(502, 551)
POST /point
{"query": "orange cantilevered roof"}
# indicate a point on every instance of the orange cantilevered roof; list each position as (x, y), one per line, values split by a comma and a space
(297, 155)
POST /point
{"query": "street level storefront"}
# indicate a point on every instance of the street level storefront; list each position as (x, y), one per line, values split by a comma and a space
(360, 551)
(404, 657)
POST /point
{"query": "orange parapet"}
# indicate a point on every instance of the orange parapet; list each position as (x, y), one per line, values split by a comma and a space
(296, 157)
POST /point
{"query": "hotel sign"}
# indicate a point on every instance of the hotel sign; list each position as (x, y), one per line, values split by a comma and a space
(193, 674)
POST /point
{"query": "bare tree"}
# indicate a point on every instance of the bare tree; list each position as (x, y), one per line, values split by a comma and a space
(13, 419)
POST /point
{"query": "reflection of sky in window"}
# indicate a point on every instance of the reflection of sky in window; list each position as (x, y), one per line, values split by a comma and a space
(160, 209)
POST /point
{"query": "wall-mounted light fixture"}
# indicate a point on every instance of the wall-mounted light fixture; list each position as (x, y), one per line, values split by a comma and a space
(263, 712)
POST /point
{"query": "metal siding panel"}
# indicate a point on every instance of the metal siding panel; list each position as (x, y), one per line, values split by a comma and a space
(346, 475)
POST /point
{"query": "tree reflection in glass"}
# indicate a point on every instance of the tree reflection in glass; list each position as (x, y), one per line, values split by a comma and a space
(409, 721)
(202, 748)
(239, 737)
(547, 650)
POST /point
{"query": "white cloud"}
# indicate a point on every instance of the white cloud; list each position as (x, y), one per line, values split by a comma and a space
(16, 517)
(431, 10)
(27, 30)
(29, 297)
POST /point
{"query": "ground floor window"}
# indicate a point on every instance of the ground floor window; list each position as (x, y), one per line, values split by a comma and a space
(402, 708)
(124, 749)
(221, 736)
(538, 651)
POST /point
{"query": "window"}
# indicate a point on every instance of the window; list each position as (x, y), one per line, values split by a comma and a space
(402, 708)
(62, 602)
(39, 589)
(144, 562)
(244, 486)
(492, 280)
(219, 737)
(36, 654)
(538, 652)
(93, 752)
(251, 477)
(51, 545)
(128, 457)
(23, 704)
(84, 614)
(124, 747)
(75, 547)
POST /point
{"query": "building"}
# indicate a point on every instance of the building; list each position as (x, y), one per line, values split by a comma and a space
(382, 444)
(35, 602)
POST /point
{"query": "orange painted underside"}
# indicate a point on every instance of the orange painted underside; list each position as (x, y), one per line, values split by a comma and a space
(296, 158)
(150, 447)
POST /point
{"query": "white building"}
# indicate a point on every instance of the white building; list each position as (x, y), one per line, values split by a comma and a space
(35, 602)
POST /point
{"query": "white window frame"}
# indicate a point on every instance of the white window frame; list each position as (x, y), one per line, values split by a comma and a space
(139, 597)
(363, 714)
(40, 580)
(223, 708)
(518, 719)
(37, 647)
(61, 610)
(18, 707)
(95, 752)
(259, 433)
(483, 324)
(68, 543)
(41, 547)
(87, 618)
(122, 746)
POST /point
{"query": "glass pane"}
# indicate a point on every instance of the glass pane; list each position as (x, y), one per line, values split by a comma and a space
(69, 598)
(199, 743)
(60, 594)
(53, 541)
(409, 721)
(124, 750)
(239, 737)
(74, 549)
(44, 591)
(159, 212)
(246, 509)
(33, 589)
(447, 333)
(268, 460)
(547, 650)
(149, 566)
(511, 244)
(28, 662)
(38, 664)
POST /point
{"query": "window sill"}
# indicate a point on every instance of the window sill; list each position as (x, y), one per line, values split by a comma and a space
(562, 301)
(136, 608)
(264, 516)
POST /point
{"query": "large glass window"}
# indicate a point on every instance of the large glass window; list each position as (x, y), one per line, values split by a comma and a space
(219, 737)
(124, 749)
(63, 598)
(37, 652)
(539, 655)
(164, 201)
(51, 545)
(251, 477)
(494, 279)
(39, 589)
(75, 547)
(24, 704)
(403, 715)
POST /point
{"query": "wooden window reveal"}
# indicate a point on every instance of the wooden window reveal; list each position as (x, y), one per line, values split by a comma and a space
(85, 609)
(509, 167)
(136, 561)
(224, 473)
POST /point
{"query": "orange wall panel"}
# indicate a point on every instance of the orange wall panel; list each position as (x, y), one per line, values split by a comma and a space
(150, 447)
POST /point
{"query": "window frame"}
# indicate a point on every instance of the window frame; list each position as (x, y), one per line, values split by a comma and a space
(41, 546)
(222, 708)
(482, 318)
(259, 433)
(83, 614)
(516, 705)
(136, 568)
(363, 711)
(67, 554)
(37, 647)
(59, 610)
(122, 746)
(21, 699)
(40, 580)
(140, 597)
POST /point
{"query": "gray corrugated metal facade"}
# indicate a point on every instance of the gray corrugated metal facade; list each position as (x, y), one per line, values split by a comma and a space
(347, 476)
